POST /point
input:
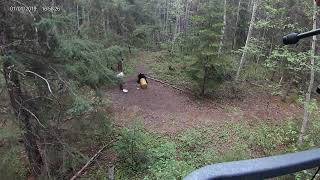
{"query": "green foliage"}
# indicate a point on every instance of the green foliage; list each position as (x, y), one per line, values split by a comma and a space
(206, 67)
(102, 125)
(144, 155)
(98, 174)
(11, 165)
(142, 36)
(270, 138)
(288, 60)
(254, 49)
(171, 67)
(210, 73)
(194, 147)
(311, 138)
(165, 163)
(237, 152)
(73, 159)
(173, 158)
(132, 150)
(290, 64)
(80, 105)
(90, 63)
(170, 169)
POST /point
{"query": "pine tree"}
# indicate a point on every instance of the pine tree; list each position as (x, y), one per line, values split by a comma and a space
(207, 68)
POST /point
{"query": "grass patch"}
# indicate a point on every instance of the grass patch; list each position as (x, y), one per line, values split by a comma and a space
(160, 157)
(168, 68)
(11, 164)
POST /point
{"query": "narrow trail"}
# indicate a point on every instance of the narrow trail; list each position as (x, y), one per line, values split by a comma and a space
(163, 109)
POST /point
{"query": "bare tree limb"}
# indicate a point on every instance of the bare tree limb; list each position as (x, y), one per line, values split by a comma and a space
(42, 79)
(19, 73)
(90, 161)
(30, 112)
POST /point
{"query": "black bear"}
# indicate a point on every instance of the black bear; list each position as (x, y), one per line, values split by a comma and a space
(140, 76)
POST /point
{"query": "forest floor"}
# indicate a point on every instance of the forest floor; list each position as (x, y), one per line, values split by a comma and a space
(165, 110)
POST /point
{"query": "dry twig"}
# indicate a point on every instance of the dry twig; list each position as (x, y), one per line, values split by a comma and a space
(90, 161)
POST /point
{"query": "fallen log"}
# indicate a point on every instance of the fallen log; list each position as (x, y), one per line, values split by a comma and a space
(182, 90)
(90, 161)
(165, 83)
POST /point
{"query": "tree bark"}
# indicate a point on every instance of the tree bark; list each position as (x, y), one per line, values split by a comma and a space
(204, 83)
(78, 20)
(105, 28)
(308, 95)
(187, 16)
(287, 90)
(244, 54)
(166, 19)
(17, 100)
(236, 25)
(223, 28)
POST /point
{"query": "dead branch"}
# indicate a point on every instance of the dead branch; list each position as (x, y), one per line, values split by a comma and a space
(30, 112)
(42, 79)
(33, 115)
(62, 80)
(165, 83)
(90, 161)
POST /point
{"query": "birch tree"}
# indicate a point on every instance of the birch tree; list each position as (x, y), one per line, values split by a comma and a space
(223, 28)
(78, 19)
(308, 95)
(244, 54)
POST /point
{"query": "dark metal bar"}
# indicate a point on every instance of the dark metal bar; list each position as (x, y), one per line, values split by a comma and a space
(294, 38)
(261, 168)
(309, 34)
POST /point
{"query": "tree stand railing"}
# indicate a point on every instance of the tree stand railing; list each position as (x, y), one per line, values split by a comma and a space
(261, 168)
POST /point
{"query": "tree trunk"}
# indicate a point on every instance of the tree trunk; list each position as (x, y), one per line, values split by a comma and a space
(244, 54)
(19, 106)
(187, 16)
(53, 154)
(236, 25)
(105, 26)
(203, 90)
(166, 19)
(177, 25)
(223, 28)
(83, 15)
(308, 95)
(78, 20)
(287, 90)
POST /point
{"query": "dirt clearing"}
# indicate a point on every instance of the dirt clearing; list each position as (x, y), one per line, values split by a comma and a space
(163, 109)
